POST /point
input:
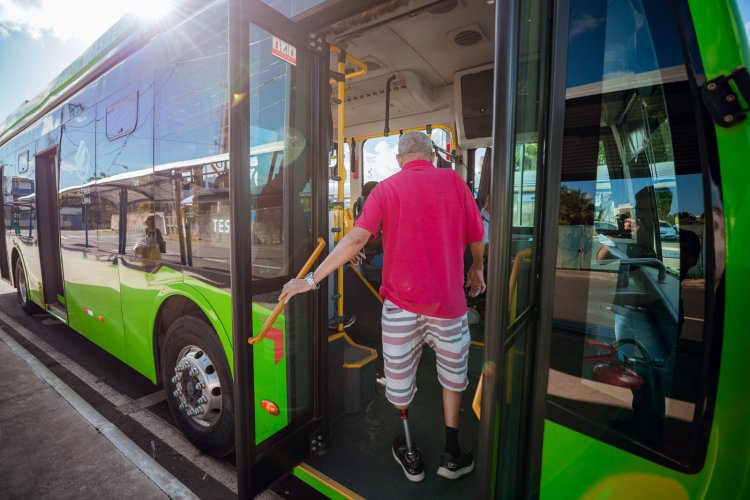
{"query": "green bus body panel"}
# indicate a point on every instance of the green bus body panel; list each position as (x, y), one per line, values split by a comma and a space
(318, 485)
(122, 322)
(31, 265)
(92, 299)
(577, 466)
(270, 377)
(142, 294)
(723, 46)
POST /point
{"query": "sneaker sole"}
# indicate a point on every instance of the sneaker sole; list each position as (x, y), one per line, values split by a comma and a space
(411, 477)
(449, 474)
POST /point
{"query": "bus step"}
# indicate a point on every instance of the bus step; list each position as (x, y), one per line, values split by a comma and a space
(59, 311)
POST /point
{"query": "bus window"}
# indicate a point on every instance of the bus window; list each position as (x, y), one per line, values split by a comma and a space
(630, 239)
(78, 226)
(478, 160)
(379, 154)
(191, 90)
(293, 8)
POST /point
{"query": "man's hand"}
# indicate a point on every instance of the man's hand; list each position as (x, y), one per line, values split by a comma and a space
(358, 258)
(292, 288)
(475, 281)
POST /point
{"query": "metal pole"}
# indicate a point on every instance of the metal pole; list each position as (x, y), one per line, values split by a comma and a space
(238, 105)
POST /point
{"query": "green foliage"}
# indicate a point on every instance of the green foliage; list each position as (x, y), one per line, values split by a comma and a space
(576, 207)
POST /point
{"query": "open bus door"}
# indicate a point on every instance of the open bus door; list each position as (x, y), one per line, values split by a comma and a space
(526, 141)
(279, 93)
(4, 262)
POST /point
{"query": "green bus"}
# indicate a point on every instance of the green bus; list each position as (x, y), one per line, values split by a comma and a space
(162, 189)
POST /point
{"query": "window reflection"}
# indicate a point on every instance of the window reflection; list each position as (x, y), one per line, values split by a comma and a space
(630, 238)
(280, 188)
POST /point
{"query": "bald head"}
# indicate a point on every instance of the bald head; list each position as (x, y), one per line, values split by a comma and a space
(414, 146)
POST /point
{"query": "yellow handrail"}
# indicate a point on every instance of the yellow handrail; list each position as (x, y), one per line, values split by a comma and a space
(476, 403)
(354, 74)
(280, 306)
(359, 364)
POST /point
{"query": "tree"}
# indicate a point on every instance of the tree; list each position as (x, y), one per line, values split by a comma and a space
(576, 207)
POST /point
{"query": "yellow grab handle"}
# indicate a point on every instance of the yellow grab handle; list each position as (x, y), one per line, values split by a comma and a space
(280, 306)
(476, 403)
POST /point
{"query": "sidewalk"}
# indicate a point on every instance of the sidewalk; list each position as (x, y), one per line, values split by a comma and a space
(54, 444)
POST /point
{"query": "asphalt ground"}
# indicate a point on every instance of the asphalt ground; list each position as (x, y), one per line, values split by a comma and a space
(130, 402)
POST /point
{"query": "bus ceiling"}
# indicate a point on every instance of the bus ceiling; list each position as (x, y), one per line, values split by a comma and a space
(427, 51)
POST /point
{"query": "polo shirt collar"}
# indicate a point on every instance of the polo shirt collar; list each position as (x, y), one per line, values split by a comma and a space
(417, 163)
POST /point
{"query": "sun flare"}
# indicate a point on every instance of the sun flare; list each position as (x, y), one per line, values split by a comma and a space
(149, 9)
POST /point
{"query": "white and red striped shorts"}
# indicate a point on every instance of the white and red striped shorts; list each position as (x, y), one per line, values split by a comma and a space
(404, 335)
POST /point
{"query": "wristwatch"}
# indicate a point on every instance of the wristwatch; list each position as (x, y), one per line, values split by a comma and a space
(310, 281)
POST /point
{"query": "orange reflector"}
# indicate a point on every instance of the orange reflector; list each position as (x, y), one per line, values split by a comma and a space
(270, 407)
(100, 318)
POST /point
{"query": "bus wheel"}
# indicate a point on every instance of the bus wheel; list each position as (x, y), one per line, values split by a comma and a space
(22, 290)
(196, 377)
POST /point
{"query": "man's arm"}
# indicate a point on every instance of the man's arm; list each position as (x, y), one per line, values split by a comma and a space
(475, 277)
(343, 252)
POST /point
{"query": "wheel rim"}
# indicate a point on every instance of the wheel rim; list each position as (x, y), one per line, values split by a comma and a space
(22, 292)
(196, 386)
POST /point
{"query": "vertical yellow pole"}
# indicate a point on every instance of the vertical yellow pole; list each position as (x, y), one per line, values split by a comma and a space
(342, 177)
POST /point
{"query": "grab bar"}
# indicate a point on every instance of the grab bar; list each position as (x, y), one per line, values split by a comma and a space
(648, 261)
(280, 306)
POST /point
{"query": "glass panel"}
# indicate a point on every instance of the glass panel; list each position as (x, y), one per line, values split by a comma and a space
(280, 224)
(527, 152)
(379, 154)
(191, 211)
(630, 284)
(478, 161)
(292, 8)
(513, 410)
(77, 198)
(191, 90)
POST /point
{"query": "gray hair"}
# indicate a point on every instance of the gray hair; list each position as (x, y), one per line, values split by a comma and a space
(416, 144)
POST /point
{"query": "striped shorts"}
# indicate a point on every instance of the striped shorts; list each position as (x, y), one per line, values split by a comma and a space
(404, 335)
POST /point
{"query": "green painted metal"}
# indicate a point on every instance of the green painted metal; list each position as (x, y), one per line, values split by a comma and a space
(315, 482)
(577, 466)
(270, 380)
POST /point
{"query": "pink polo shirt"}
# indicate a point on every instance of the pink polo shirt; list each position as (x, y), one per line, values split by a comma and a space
(427, 216)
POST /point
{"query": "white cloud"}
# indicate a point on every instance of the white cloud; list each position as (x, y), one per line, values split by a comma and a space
(584, 24)
(82, 20)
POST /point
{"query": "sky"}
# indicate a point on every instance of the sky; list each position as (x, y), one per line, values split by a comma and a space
(39, 38)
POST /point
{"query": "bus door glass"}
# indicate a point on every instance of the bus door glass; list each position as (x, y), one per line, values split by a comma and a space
(630, 343)
(512, 204)
(4, 225)
(279, 225)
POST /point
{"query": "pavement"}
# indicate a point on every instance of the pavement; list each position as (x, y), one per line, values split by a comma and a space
(53, 444)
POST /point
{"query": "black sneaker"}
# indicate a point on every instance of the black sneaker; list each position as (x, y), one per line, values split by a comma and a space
(410, 462)
(453, 467)
(349, 320)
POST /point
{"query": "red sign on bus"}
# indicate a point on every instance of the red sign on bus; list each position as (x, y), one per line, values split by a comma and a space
(284, 51)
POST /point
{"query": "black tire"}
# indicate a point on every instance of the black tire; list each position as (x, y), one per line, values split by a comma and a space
(191, 341)
(22, 291)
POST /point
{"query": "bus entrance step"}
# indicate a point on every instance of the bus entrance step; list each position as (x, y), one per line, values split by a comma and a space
(59, 310)
(352, 375)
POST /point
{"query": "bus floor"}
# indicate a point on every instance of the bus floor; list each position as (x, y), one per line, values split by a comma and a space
(359, 453)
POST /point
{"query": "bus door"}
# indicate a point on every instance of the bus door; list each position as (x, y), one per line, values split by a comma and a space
(4, 263)
(48, 230)
(508, 453)
(278, 172)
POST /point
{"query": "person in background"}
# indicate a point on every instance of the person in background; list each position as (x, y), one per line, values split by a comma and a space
(427, 217)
